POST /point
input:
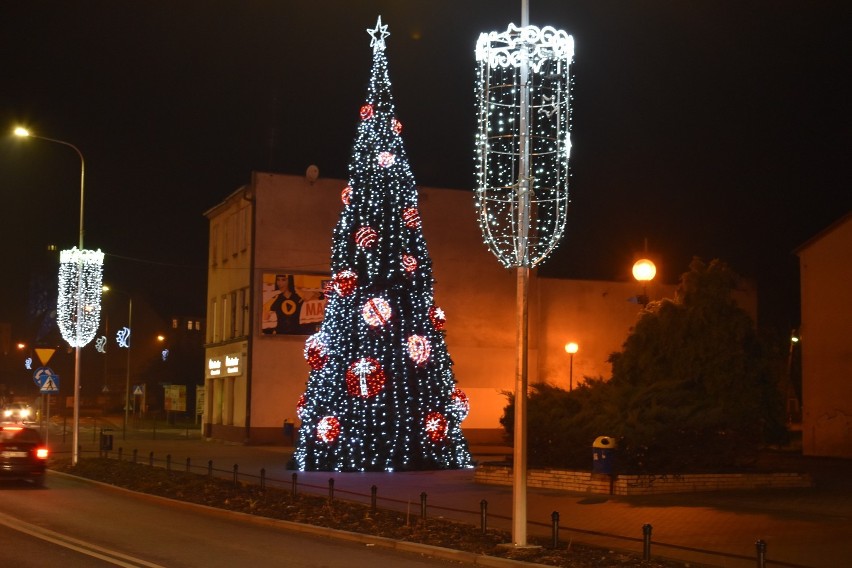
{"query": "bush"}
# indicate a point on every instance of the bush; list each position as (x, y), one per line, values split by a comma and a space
(693, 389)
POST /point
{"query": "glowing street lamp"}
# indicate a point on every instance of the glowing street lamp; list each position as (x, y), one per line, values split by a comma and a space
(644, 271)
(79, 302)
(570, 349)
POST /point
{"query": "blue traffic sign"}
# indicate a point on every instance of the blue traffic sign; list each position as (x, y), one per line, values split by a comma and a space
(46, 380)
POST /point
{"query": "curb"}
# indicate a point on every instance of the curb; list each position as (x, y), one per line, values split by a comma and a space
(361, 538)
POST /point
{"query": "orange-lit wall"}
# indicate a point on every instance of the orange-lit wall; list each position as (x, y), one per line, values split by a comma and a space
(293, 233)
(826, 278)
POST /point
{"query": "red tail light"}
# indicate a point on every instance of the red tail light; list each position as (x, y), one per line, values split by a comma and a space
(41, 453)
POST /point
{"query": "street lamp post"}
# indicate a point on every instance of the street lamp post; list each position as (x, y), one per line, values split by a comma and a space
(127, 341)
(644, 271)
(571, 348)
(23, 132)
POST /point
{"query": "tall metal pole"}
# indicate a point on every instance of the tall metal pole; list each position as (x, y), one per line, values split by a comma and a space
(519, 451)
(571, 373)
(77, 351)
(127, 378)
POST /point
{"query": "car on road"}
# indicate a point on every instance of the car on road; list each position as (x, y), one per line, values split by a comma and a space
(17, 412)
(23, 453)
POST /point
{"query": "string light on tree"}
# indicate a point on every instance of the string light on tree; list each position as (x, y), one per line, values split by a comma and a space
(383, 399)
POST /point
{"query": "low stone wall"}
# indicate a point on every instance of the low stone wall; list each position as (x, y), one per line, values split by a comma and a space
(587, 482)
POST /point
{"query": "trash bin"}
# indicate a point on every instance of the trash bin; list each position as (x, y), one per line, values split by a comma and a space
(106, 439)
(288, 431)
(603, 455)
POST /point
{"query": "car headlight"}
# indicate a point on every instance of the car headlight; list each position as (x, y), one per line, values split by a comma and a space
(7, 413)
(25, 412)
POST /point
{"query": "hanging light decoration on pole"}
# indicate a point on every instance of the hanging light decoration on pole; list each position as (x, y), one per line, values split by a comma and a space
(78, 308)
(523, 146)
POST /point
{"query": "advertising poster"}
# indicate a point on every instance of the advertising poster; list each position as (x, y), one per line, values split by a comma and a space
(293, 304)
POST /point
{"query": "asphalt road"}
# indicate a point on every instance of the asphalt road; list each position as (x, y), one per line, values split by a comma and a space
(74, 523)
(802, 527)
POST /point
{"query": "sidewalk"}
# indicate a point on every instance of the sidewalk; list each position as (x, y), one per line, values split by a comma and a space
(803, 527)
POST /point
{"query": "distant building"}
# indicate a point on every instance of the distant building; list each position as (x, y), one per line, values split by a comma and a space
(282, 225)
(826, 274)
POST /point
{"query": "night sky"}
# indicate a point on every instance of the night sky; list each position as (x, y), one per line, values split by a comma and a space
(712, 128)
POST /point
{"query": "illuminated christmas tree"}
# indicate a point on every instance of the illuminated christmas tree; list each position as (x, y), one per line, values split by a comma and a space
(381, 395)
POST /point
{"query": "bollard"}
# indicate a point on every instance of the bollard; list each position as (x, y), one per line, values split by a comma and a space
(135, 454)
(210, 468)
(483, 515)
(330, 489)
(293, 487)
(262, 479)
(554, 529)
(646, 541)
(168, 462)
(423, 506)
(761, 553)
(236, 468)
(373, 491)
(151, 459)
(188, 467)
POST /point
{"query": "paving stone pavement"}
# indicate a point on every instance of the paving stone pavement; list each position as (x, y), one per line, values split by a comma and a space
(801, 527)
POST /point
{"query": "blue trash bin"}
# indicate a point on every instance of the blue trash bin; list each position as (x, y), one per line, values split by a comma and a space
(603, 455)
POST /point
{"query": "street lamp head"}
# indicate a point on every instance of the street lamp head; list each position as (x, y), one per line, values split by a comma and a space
(571, 348)
(644, 270)
(21, 131)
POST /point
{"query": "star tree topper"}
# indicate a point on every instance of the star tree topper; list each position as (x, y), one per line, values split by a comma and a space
(379, 33)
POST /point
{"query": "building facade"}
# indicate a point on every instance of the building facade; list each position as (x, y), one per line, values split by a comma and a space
(282, 225)
(826, 273)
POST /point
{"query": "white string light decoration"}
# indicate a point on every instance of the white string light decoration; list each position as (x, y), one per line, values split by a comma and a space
(78, 310)
(380, 390)
(523, 149)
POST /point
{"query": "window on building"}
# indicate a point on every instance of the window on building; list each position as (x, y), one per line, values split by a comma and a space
(232, 319)
(197, 325)
(174, 323)
(243, 229)
(242, 312)
(226, 316)
(213, 329)
(214, 244)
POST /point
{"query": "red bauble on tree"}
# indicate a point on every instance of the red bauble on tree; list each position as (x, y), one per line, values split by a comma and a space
(328, 429)
(364, 377)
(300, 407)
(396, 126)
(366, 112)
(386, 159)
(460, 404)
(409, 263)
(316, 353)
(344, 282)
(376, 312)
(366, 237)
(419, 349)
(435, 426)
(411, 217)
(437, 317)
(346, 195)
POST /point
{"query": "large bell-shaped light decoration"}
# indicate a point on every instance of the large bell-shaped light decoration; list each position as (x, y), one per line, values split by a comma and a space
(523, 144)
(78, 310)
